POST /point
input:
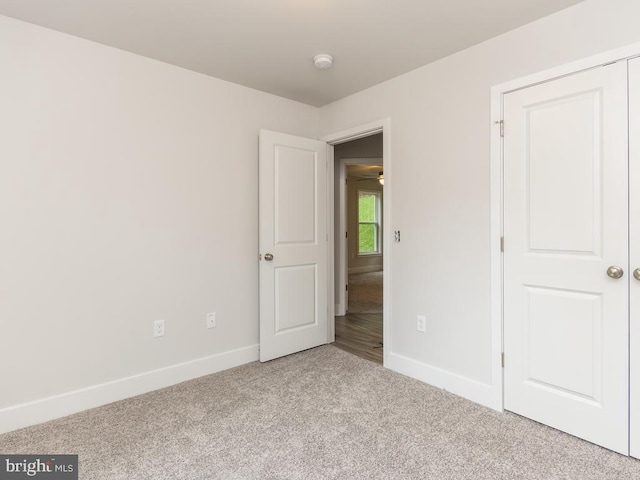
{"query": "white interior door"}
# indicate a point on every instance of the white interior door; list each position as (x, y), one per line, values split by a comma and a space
(565, 223)
(634, 250)
(293, 244)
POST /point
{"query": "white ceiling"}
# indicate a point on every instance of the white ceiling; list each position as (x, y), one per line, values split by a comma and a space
(269, 44)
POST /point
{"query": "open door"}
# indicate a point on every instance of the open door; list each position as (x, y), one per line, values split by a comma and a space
(293, 244)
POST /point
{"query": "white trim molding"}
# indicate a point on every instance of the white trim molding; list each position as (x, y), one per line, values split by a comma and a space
(359, 131)
(32, 413)
(481, 393)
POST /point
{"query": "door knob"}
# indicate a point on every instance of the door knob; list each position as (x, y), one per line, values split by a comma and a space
(615, 272)
(268, 257)
(636, 274)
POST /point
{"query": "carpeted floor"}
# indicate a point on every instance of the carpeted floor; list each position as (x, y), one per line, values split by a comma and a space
(319, 414)
(365, 293)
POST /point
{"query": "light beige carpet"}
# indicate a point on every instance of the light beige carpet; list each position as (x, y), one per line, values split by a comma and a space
(365, 293)
(320, 414)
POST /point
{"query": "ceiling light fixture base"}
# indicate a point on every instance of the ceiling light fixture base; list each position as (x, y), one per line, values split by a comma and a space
(323, 61)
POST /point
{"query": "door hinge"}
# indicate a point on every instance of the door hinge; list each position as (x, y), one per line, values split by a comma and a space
(502, 244)
(346, 234)
(502, 359)
(501, 123)
(346, 287)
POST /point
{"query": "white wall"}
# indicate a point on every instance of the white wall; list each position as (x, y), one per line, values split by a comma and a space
(128, 193)
(440, 148)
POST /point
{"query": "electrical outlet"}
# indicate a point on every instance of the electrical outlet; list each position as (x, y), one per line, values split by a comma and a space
(211, 320)
(158, 328)
(422, 323)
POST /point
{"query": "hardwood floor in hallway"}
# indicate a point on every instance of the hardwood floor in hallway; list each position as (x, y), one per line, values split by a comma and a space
(360, 334)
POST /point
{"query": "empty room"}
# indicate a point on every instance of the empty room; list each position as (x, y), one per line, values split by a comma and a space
(349, 239)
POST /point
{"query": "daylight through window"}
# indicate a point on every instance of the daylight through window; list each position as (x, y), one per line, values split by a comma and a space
(368, 222)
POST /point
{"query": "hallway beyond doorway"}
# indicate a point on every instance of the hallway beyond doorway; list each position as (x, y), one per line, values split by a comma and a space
(360, 334)
(360, 330)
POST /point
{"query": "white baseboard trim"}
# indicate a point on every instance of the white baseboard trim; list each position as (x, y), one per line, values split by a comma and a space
(478, 392)
(371, 268)
(26, 414)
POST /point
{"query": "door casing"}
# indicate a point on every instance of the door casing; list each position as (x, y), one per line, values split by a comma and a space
(379, 126)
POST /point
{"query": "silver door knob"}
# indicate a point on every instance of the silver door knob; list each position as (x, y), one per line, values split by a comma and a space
(268, 257)
(636, 274)
(615, 272)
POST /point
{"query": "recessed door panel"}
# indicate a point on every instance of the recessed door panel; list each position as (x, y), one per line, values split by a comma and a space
(563, 177)
(296, 305)
(565, 223)
(554, 319)
(295, 209)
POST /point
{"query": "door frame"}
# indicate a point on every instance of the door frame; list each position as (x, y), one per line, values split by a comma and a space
(360, 131)
(342, 253)
(497, 189)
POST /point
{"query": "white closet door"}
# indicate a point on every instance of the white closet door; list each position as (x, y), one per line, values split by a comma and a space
(566, 327)
(634, 250)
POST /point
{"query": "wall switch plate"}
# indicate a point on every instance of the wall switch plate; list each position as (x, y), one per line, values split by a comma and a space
(158, 328)
(421, 323)
(211, 320)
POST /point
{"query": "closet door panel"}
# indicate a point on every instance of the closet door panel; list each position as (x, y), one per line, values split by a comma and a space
(634, 251)
(566, 320)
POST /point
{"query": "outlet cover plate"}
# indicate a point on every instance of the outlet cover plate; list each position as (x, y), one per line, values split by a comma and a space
(158, 328)
(421, 323)
(211, 320)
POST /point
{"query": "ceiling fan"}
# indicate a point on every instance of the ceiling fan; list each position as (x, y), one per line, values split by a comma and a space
(371, 176)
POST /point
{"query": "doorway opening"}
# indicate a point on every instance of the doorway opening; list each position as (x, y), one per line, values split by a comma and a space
(359, 271)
